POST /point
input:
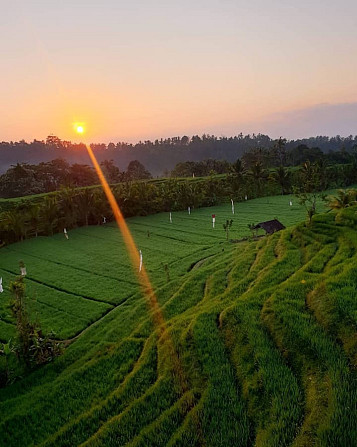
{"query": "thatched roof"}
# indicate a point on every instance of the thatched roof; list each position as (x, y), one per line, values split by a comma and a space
(270, 226)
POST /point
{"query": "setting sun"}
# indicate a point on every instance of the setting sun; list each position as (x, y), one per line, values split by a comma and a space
(79, 127)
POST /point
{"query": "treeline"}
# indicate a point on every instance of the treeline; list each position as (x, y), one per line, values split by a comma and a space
(163, 154)
(25, 179)
(276, 155)
(245, 142)
(70, 207)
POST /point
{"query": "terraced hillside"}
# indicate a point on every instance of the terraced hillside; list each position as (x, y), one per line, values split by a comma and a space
(264, 336)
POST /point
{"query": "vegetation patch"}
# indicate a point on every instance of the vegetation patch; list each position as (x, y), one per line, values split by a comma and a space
(264, 332)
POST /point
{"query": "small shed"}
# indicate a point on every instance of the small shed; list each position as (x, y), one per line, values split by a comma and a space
(270, 226)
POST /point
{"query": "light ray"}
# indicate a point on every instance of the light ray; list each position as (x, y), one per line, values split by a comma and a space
(144, 280)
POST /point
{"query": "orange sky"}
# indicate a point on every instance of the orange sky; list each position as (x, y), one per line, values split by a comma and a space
(144, 70)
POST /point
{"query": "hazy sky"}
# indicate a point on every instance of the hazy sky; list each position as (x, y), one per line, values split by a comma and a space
(144, 69)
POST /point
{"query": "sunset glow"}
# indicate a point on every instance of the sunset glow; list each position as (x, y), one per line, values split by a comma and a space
(145, 72)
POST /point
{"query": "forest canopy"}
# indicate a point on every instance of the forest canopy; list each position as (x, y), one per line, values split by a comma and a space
(162, 155)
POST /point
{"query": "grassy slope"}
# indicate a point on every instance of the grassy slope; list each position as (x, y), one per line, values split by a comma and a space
(265, 333)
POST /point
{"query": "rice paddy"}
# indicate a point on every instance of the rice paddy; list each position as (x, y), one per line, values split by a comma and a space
(264, 330)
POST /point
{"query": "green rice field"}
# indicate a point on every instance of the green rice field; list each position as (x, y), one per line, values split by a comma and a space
(259, 346)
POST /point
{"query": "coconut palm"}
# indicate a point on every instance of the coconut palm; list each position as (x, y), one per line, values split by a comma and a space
(101, 207)
(344, 199)
(85, 203)
(14, 222)
(238, 176)
(282, 177)
(168, 194)
(50, 214)
(259, 175)
(69, 207)
(34, 217)
(239, 170)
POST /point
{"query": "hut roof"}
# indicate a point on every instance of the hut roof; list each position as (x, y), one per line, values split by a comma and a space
(270, 226)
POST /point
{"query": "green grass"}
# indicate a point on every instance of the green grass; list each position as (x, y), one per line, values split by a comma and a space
(264, 332)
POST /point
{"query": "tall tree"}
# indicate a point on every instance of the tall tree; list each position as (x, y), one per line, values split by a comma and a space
(14, 222)
(49, 214)
(282, 177)
(34, 218)
(137, 171)
(259, 175)
(309, 187)
(85, 203)
(110, 171)
(280, 151)
(68, 206)
(239, 174)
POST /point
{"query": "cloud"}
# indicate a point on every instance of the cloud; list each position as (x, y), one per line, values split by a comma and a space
(321, 119)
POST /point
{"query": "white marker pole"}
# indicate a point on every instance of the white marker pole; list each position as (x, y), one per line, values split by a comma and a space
(65, 233)
(170, 217)
(246, 197)
(232, 206)
(291, 203)
(189, 210)
(141, 261)
(213, 221)
(1, 289)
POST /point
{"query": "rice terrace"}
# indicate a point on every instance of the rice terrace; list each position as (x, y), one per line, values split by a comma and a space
(178, 223)
(264, 331)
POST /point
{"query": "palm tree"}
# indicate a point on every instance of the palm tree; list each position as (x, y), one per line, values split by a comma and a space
(15, 223)
(129, 199)
(196, 194)
(34, 217)
(309, 187)
(85, 202)
(67, 201)
(239, 174)
(50, 214)
(168, 194)
(343, 199)
(279, 151)
(101, 207)
(259, 175)
(239, 169)
(282, 177)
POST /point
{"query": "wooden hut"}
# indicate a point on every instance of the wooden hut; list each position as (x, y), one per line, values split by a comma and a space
(270, 226)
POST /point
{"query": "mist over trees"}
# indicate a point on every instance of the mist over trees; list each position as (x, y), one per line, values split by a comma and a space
(163, 155)
(25, 179)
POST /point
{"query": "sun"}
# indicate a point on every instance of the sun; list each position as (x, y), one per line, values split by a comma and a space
(79, 127)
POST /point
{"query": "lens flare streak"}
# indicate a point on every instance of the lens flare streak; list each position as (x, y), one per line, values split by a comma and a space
(144, 280)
